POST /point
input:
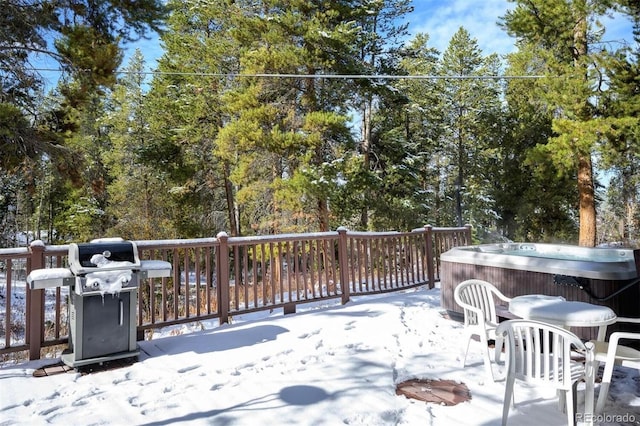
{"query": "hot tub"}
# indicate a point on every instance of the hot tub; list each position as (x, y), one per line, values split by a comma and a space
(604, 276)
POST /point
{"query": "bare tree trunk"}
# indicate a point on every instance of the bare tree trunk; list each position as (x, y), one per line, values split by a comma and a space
(460, 179)
(366, 158)
(231, 204)
(586, 193)
(587, 237)
(323, 215)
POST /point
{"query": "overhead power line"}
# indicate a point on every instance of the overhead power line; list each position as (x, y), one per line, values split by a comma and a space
(328, 76)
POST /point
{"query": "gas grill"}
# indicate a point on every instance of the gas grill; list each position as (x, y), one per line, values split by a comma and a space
(103, 278)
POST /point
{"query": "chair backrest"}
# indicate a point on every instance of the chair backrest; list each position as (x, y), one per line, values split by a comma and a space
(541, 353)
(476, 298)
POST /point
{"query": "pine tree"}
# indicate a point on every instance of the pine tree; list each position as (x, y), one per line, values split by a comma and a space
(471, 104)
(56, 140)
(621, 154)
(283, 135)
(403, 177)
(535, 202)
(381, 32)
(137, 201)
(86, 37)
(562, 32)
(185, 114)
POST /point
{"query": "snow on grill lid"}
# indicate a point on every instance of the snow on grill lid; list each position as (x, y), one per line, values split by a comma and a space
(106, 254)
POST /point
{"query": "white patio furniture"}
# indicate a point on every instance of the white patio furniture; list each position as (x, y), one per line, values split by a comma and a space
(541, 354)
(477, 298)
(612, 353)
(567, 313)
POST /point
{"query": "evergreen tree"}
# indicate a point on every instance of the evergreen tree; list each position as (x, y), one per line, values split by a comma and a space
(185, 116)
(137, 204)
(562, 33)
(622, 152)
(42, 139)
(404, 171)
(381, 32)
(283, 135)
(471, 104)
(86, 37)
(536, 203)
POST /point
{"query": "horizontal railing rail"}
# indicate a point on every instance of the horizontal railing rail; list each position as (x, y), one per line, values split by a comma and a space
(217, 278)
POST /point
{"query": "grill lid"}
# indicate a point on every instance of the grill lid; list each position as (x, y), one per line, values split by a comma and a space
(106, 254)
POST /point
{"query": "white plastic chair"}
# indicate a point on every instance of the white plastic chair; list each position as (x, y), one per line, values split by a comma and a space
(477, 298)
(612, 353)
(540, 354)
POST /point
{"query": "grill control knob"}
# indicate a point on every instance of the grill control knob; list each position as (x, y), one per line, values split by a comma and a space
(94, 285)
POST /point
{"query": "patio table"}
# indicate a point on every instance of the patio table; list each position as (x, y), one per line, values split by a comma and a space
(564, 313)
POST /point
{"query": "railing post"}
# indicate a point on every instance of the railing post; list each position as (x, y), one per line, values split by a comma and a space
(468, 235)
(431, 270)
(343, 262)
(35, 300)
(222, 277)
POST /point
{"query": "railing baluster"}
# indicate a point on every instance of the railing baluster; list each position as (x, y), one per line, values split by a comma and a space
(209, 277)
(289, 269)
(187, 286)
(8, 300)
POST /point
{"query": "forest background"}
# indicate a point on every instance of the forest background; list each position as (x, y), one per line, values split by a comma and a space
(270, 117)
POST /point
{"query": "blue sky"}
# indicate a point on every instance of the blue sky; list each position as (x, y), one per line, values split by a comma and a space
(441, 19)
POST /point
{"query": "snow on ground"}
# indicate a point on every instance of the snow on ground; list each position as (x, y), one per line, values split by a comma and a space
(332, 365)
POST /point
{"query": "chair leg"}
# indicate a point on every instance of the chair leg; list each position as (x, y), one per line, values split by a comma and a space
(572, 401)
(604, 387)
(498, 349)
(562, 400)
(602, 397)
(465, 351)
(484, 341)
(508, 399)
(589, 391)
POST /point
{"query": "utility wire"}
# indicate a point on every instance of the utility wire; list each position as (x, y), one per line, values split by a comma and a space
(328, 76)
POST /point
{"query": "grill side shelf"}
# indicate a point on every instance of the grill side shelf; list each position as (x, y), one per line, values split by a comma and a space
(51, 277)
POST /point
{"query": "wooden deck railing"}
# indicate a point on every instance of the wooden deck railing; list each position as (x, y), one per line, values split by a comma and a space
(216, 278)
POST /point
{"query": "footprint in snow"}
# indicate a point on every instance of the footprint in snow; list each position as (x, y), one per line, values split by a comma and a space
(50, 410)
(307, 335)
(189, 368)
